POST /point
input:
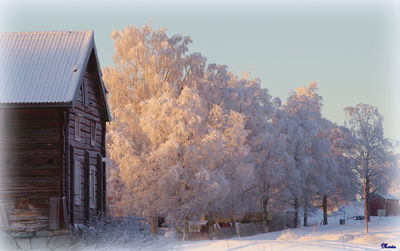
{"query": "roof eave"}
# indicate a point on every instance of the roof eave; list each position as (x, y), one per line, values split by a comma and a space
(103, 87)
(37, 105)
(89, 49)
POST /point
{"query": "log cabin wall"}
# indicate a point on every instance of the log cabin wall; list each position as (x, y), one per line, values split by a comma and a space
(44, 152)
(32, 167)
(86, 149)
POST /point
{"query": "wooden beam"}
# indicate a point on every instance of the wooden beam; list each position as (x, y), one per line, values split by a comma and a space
(64, 212)
(86, 197)
(54, 214)
(72, 182)
(104, 187)
(67, 169)
(99, 188)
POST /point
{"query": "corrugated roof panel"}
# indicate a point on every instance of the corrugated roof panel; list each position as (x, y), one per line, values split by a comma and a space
(38, 67)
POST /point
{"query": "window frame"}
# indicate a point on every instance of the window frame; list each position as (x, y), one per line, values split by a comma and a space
(92, 186)
(93, 127)
(77, 129)
(77, 183)
(85, 97)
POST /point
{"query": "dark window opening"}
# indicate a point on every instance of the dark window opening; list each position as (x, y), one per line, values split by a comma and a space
(85, 96)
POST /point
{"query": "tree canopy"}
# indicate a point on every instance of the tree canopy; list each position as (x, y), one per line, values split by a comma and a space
(190, 139)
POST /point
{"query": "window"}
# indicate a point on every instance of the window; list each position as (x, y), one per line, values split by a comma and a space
(77, 183)
(92, 187)
(77, 128)
(85, 96)
(81, 92)
(92, 132)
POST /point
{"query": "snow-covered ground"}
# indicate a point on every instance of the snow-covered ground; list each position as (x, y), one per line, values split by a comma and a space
(331, 237)
(334, 236)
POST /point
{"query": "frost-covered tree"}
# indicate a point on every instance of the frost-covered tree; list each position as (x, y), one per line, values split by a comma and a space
(266, 147)
(190, 139)
(309, 146)
(272, 162)
(344, 180)
(371, 151)
(296, 122)
(180, 148)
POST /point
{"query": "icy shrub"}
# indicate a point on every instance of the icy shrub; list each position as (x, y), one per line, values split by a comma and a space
(169, 233)
(347, 237)
(128, 232)
(287, 235)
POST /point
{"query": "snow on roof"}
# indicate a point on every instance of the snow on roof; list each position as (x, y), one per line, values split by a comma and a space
(388, 196)
(42, 67)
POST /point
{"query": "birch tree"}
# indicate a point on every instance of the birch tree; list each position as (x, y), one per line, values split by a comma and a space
(179, 149)
(301, 111)
(345, 183)
(310, 147)
(371, 150)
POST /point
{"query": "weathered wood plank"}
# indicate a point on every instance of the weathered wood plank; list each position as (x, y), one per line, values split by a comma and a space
(54, 214)
(86, 186)
(99, 187)
(9, 194)
(31, 171)
(72, 187)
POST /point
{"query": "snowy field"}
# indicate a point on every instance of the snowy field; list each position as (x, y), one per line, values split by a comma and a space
(132, 234)
(331, 237)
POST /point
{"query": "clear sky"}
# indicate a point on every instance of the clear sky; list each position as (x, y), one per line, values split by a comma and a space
(351, 48)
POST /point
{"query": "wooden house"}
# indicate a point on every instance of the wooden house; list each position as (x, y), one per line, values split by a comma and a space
(384, 205)
(53, 112)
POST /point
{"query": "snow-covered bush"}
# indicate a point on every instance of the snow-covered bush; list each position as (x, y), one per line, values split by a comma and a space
(118, 233)
(288, 235)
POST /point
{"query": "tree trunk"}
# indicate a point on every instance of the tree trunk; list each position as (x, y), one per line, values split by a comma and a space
(305, 216)
(367, 201)
(265, 214)
(265, 208)
(366, 205)
(211, 233)
(153, 224)
(210, 229)
(296, 209)
(325, 209)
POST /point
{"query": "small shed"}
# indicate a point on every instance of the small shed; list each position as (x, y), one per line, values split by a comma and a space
(54, 113)
(385, 204)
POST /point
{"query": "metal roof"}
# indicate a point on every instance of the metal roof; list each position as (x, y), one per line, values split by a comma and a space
(42, 67)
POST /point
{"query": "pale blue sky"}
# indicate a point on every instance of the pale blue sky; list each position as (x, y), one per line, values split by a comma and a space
(349, 49)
